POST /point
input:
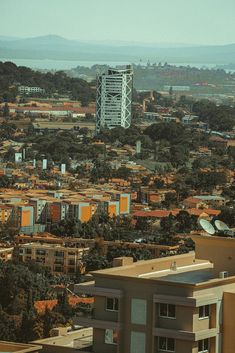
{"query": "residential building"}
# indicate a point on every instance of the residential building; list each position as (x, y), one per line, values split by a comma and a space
(114, 98)
(58, 258)
(181, 304)
(28, 89)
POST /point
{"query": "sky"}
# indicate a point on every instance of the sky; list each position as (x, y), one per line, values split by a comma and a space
(147, 21)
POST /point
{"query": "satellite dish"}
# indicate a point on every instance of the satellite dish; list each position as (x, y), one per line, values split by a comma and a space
(221, 225)
(207, 226)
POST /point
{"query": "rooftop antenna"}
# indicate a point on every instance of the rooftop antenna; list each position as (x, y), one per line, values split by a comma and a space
(207, 226)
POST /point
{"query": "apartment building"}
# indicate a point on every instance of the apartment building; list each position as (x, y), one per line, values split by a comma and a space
(58, 258)
(181, 304)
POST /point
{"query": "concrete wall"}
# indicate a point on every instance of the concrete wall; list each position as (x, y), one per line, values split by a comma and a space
(219, 250)
(229, 322)
(183, 320)
(99, 343)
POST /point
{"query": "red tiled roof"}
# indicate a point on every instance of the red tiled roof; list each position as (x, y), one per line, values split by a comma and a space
(155, 213)
(174, 212)
(193, 200)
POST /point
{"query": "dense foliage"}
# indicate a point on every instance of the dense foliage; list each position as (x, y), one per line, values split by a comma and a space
(21, 286)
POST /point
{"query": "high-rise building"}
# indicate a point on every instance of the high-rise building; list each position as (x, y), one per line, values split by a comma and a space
(114, 98)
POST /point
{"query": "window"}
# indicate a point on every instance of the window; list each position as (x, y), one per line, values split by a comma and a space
(112, 304)
(111, 336)
(40, 252)
(59, 253)
(138, 311)
(166, 344)
(204, 311)
(203, 346)
(138, 342)
(167, 310)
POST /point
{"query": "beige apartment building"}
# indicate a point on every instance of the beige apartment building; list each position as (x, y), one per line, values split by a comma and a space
(181, 304)
(60, 259)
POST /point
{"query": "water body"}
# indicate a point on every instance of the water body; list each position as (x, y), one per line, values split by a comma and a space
(70, 64)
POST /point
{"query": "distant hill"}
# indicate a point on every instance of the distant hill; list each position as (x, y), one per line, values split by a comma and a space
(56, 47)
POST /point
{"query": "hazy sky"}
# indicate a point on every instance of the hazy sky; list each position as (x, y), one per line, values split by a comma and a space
(171, 21)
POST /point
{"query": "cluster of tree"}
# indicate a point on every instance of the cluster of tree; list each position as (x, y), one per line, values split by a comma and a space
(69, 147)
(97, 260)
(20, 287)
(7, 130)
(183, 222)
(120, 135)
(219, 118)
(110, 228)
(59, 82)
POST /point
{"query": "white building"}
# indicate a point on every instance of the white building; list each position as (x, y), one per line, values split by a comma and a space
(114, 98)
(28, 89)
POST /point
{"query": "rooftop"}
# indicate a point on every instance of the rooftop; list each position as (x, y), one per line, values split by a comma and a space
(9, 347)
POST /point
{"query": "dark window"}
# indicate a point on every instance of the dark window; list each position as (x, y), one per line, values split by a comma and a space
(167, 310)
(203, 345)
(204, 311)
(112, 304)
(167, 344)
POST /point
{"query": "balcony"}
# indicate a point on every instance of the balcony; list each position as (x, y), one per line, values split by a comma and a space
(185, 335)
(89, 320)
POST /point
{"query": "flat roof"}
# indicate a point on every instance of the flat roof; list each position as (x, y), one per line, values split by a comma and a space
(9, 347)
(190, 277)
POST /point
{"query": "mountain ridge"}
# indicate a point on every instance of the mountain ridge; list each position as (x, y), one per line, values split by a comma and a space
(57, 47)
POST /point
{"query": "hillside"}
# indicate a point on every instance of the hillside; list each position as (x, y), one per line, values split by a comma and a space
(54, 83)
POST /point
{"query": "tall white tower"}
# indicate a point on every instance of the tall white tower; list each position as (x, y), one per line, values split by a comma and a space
(114, 98)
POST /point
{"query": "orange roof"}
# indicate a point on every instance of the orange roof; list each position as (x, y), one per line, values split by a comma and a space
(193, 200)
(198, 212)
(155, 213)
(174, 212)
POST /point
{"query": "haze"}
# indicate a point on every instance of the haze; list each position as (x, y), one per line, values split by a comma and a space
(153, 21)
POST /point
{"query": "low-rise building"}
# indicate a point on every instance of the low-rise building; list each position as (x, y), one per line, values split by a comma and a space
(58, 258)
(29, 89)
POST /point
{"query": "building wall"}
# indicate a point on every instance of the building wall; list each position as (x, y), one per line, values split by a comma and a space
(99, 343)
(229, 322)
(208, 247)
(85, 212)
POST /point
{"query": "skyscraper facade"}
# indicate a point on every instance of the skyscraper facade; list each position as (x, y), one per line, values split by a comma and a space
(114, 98)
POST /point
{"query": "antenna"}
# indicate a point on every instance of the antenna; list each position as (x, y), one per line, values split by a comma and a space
(207, 226)
(221, 225)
